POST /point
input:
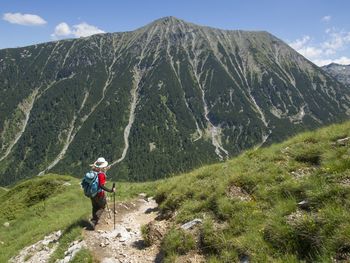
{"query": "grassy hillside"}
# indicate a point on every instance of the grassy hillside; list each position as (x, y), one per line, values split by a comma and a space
(250, 208)
(40, 206)
(286, 203)
(2, 190)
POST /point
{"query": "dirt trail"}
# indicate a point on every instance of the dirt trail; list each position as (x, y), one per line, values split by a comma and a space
(124, 243)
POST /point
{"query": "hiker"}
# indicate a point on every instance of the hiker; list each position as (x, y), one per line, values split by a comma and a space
(99, 201)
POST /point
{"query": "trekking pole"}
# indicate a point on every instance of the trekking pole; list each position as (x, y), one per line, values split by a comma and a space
(114, 205)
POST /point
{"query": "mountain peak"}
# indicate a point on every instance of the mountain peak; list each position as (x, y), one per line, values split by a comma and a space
(167, 21)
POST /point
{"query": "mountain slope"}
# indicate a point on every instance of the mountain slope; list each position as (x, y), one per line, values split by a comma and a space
(285, 203)
(340, 72)
(155, 101)
(37, 207)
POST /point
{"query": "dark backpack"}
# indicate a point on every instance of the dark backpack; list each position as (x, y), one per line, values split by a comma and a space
(90, 184)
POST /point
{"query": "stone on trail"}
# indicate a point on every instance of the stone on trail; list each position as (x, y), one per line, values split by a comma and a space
(142, 195)
(119, 232)
(73, 249)
(110, 260)
(191, 224)
(6, 224)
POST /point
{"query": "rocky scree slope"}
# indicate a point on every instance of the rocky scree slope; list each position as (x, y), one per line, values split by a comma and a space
(155, 101)
(340, 72)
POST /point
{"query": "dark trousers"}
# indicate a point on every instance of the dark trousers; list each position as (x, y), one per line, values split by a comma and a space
(98, 206)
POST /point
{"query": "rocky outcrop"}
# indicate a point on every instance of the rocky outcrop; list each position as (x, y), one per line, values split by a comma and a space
(39, 252)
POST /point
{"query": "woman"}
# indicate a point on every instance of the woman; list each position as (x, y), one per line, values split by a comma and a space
(99, 201)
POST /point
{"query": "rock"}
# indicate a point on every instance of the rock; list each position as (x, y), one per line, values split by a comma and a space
(102, 244)
(72, 250)
(46, 242)
(142, 195)
(67, 184)
(58, 234)
(109, 260)
(304, 204)
(40, 251)
(165, 215)
(6, 224)
(119, 232)
(345, 182)
(343, 141)
(125, 206)
(191, 224)
(244, 259)
(237, 192)
(154, 233)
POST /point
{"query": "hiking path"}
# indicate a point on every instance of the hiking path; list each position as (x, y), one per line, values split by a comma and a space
(124, 243)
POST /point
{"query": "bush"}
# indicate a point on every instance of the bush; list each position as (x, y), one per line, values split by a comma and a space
(177, 241)
(145, 229)
(308, 155)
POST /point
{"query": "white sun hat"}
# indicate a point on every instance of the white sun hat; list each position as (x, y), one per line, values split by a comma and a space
(100, 163)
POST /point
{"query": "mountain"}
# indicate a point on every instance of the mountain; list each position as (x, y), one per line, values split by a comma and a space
(340, 72)
(155, 101)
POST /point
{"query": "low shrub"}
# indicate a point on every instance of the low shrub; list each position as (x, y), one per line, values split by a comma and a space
(177, 241)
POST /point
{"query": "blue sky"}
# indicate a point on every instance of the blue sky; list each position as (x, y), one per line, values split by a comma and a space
(320, 30)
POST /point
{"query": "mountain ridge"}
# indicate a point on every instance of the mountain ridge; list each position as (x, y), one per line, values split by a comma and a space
(338, 71)
(151, 99)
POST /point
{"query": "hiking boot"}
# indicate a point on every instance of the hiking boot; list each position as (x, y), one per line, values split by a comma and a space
(93, 224)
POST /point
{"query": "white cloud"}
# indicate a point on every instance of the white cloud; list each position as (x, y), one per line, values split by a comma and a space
(325, 52)
(336, 39)
(79, 30)
(310, 52)
(326, 19)
(62, 29)
(84, 30)
(24, 19)
(299, 43)
(304, 48)
(341, 60)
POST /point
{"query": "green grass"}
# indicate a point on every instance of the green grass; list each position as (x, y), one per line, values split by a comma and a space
(37, 207)
(72, 233)
(310, 166)
(40, 206)
(83, 256)
(177, 241)
(268, 226)
(2, 191)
